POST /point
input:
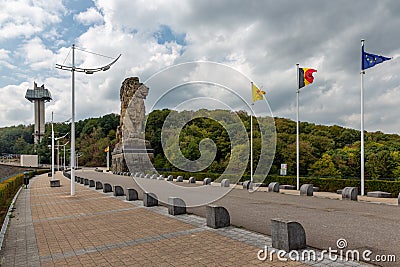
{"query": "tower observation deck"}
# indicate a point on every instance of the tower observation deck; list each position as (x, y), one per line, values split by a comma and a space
(38, 96)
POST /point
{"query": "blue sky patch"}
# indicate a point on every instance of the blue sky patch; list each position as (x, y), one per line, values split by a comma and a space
(166, 35)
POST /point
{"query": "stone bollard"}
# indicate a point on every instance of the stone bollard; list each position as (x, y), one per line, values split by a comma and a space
(131, 194)
(306, 190)
(273, 187)
(248, 185)
(82, 180)
(118, 191)
(161, 177)
(154, 176)
(207, 181)
(217, 217)
(77, 179)
(147, 176)
(91, 183)
(150, 200)
(225, 183)
(86, 181)
(350, 193)
(107, 188)
(192, 180)
(287, 235)
(179, 179)
(170, 178)
(176, 206)
(99, 185)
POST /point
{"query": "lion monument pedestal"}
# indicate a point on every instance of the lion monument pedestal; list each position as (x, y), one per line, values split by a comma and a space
(132, 153)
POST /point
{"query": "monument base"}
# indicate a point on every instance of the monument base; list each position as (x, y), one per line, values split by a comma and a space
(134, 155)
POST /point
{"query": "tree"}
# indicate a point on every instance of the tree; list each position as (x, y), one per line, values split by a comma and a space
(324, 167)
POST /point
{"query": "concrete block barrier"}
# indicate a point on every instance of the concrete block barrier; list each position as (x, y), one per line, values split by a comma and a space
(179, 179)
(176, 206)
(306, 190)
(55, 183)
(86, 181)
(207, 181)
(91, 183)
(107, 188)
(225, 183)
(248, 185)
(150, 199)
(170, 178)
(273, 187)
(379, 194)
(287, 235)
(98, 185)
(192, 180)
(118, 191)
(217, 217)
(131, 194)
(350, 193)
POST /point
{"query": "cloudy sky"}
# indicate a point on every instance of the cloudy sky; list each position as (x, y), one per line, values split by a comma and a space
(262, 39)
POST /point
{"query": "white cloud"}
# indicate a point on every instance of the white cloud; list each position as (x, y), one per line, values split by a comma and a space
(89, 17)
(4, 54)
(26, 18)
(36, 55)
(14, 107)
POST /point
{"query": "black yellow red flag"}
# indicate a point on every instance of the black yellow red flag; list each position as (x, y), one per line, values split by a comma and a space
(305, 76)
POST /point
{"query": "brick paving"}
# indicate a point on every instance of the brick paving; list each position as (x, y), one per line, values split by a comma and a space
(51, 228)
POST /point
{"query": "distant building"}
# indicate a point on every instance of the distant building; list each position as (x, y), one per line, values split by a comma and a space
(38, 95)
(29, 161)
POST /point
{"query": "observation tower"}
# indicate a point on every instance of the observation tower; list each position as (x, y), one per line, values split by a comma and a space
(38, 96)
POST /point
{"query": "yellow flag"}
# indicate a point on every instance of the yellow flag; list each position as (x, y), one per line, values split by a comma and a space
(107, 149)
(257, 93)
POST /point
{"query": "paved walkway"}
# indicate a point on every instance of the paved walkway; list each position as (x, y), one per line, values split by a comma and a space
(51, 228)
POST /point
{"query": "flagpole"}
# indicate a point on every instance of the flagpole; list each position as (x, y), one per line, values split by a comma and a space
(251, 140)
(362, 120)
(108, 159)
(297, 133)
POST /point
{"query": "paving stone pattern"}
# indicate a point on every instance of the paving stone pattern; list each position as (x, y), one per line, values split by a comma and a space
(51, 228)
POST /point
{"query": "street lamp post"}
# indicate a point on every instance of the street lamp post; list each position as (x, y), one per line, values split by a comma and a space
(64, 154)
(78, 155)
(52, 148)
(62, 159)
(73, 69)
(58, 147)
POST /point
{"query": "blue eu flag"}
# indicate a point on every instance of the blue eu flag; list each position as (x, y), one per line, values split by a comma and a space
(369, 60)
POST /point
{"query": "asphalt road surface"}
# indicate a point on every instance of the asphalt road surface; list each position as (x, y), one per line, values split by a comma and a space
(365, 226)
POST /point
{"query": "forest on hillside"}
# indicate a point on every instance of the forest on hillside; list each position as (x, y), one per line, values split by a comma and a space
(325, 151)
